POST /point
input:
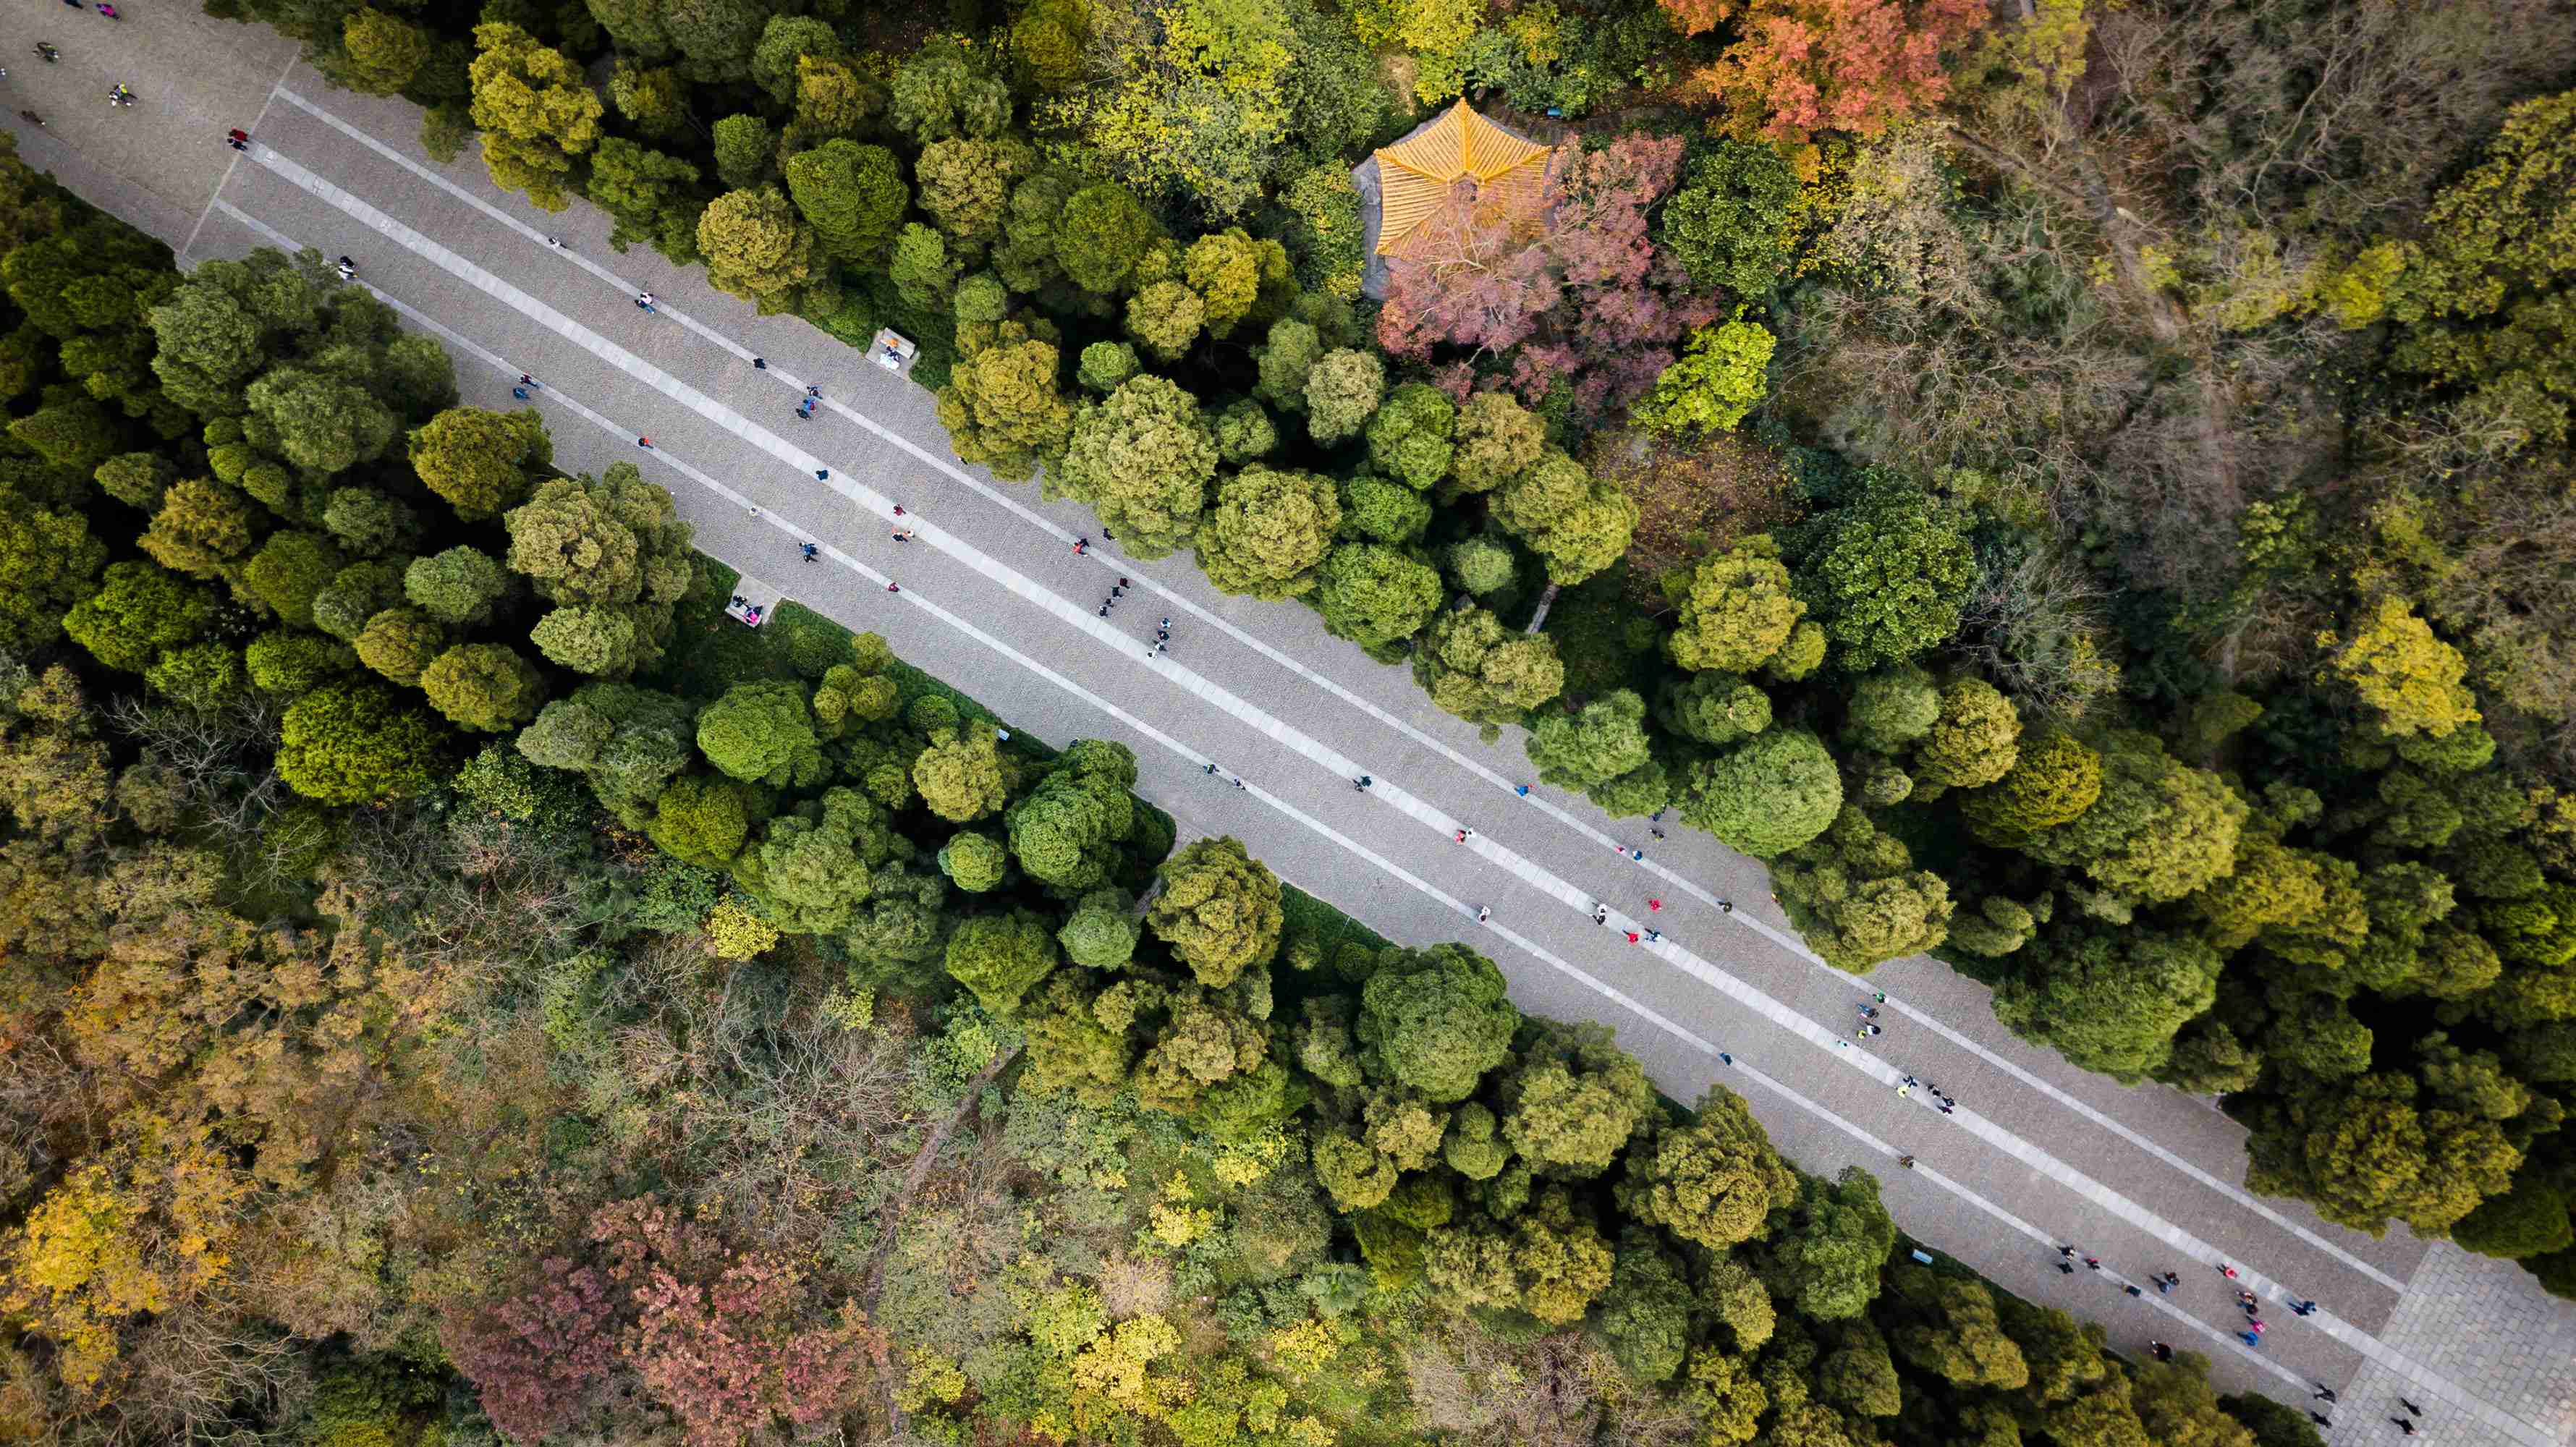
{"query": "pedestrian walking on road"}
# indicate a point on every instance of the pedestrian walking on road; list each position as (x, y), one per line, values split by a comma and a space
(1118, 590)
(1726, 906)
(238, 142)
(237, 134)
(758, 364)
(1600, 914)
(1910, 1080)
(1903, 1091)
(2404, 1426)
(1657, 833)
(644, 300)
(519, 392)
(2227, 1271)
(894, 587)
(1654, 936)
(1081, 546)
(2249, 1338)
(2326, 1394)
(898, 509)
(527, 381)
(1867, 1012)
(2064, 1267)
(755, 512)
(1466, 834)
(1210, 771)
(1484, 912)
(2067, 1252)
(1949, 1106)
(644, 442)
(2303, 1308)
(2160, 1351)
(808, 550)
(1362, 782)
(2320, 1418)
(2174, 1278)
(1632, 936)
(902, 535)
(1165, 625)
(2163, 1287)
(1521, 789)
(2255, 1325)
(2133, 1291)
(2246, 1299)
(556, 242)
(813, 392)
(822, 474)
(1873, 1030)
(2411, 1409)
(1238, 783)
(1104, 610)
(1106, 535)
(108, 10)
(348, 268)
(31, 118)
(1653, 905)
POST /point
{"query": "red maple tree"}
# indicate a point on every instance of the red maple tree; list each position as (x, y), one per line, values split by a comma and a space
(1802, 66)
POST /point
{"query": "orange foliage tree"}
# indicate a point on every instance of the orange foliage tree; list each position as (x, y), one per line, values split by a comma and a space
(1802, 66)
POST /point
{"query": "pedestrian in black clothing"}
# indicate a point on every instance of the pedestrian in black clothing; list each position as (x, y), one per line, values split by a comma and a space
(527, 381)
(2067, 1267)
(760, 364)
(1210, 771)
(1949, 1106)
(2302, 1308)
(2163, 1287)
(2133, 1291)
(1119, 591)
(1362, 782)
(2066, 1251)
(1238, 783)
(2411, 1409)
(1104, 610)
(1726, 906)
(2325, 1393)
(813, 391)
(2174, 1278)
(2320, 1418)
(2404, 1426)
(2160, 1351)
(2092, 1263)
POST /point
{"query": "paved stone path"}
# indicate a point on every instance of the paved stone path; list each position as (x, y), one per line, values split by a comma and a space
(993, 597)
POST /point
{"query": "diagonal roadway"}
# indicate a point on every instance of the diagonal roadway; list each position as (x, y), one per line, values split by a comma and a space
(993, 596)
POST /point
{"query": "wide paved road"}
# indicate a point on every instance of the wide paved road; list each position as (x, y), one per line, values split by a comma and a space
(993, 597)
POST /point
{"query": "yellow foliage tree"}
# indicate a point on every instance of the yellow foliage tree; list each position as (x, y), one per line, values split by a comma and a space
(2399, 668)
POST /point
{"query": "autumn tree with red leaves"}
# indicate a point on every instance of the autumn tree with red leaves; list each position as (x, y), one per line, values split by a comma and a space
(1802, 66)
(1587, 302)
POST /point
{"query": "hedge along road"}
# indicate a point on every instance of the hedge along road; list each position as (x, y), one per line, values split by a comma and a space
(1298, 714)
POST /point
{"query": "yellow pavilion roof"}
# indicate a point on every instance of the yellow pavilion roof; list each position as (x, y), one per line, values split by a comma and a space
(1419, 175)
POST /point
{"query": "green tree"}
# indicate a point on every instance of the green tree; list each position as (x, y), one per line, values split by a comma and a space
(1890, 574)
(1826, 1257)
(960, 776)
(1269, 532)
(1104, 232)
(762, 732)
(484, 686)
(1853, 892)
(204, 529)
(651, 97)
(1713, 1180)
(1342, 392)
(605, 640)
(2054, 778)
(288, 571)
(617, 539)
(202, 676)
(355, 594)
(1484, 673)
(943, 90)
(653, 198)
(1975, 741)
(746, 150)
(1383, 511)
(2109, 1001)
(369, 523)
(1065, 832)
(2365, 1149)
(481, 462)
(1497, 440)
(1714, 708)
(922, 271)
(399, 643)
(1143, 457)
(75, 434)
(461, 587)
(1948, 1326)
(1375, 596)
(700, 820)
(1218, 910)
(757, 248)
(537, 116)
(629, 743)
(1004, 408)
(136, 479)
(1000, 956)
(139, 613)
(1410, 437)
(784, 41)
(1105, 365)
(1551, 1262)
(321, 423)
(1720, 378)
(1891, 708)
(383, 52)
(289, 663)
(1435, 1020)
(1733, 221)
(1165, 317)
(1600, 743)
(1572, 1099)
(1102, 931)
(47, 565)
(1736, 609)
(1244, 432)
(2529, 1220)
(1766, 796)
(357, 742)
(975, 863)
(852, 195)
(2158, 831)
(1284, 360)
(810, 871)
(1577, 523)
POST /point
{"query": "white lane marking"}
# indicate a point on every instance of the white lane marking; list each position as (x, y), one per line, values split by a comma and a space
(1777, 1012)
(1114, 565)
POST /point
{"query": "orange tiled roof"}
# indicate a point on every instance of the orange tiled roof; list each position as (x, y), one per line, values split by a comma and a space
(1419, 175)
